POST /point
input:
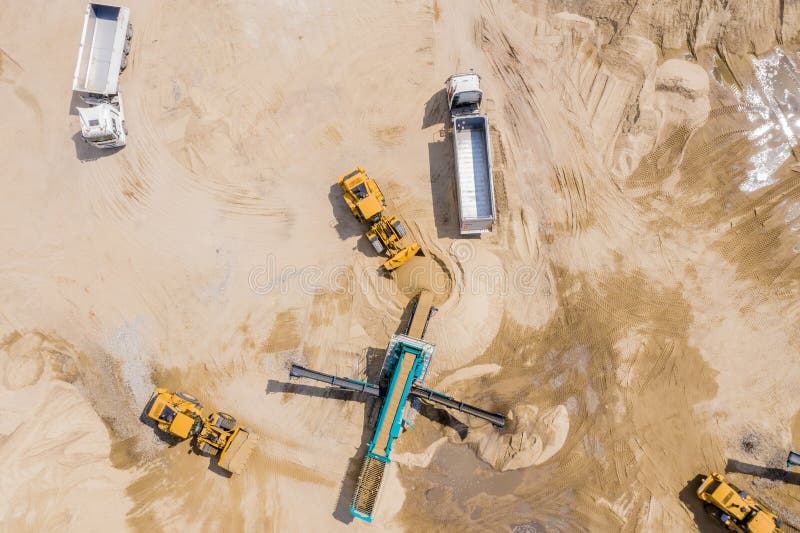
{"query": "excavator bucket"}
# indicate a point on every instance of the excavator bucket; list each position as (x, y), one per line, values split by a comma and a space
(236, 454)
(401, 257)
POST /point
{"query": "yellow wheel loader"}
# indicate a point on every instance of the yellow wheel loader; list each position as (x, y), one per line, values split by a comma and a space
(366, 201)
(362, 194)
(182, 415)
(734, 508)
(386, 236)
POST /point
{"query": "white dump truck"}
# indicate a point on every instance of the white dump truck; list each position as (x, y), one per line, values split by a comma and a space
(472, 148)
(102, 56)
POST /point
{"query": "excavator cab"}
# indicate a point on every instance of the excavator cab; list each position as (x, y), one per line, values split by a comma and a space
(362, 195)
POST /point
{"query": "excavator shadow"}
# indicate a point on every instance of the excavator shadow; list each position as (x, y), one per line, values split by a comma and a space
(772, 474)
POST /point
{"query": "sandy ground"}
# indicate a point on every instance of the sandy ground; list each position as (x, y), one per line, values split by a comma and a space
(635, 310)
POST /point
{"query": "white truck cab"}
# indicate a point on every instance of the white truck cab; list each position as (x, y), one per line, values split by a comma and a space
(464, 93)
(102, 56)
(103, 125)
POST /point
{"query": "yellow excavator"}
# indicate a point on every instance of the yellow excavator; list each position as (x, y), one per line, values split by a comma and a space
(366, 202)
(734, 508)
(182, 415)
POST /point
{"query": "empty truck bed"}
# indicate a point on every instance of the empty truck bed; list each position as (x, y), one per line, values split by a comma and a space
(101, 49)
(472, 159)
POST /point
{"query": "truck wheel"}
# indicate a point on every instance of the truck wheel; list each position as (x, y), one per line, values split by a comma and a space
(124, 63)
(399, 228)
(129, 33)
(713, 512)
(124, 127)
(188, 397)
(207, 448)
(126, 48)
(226, 421)
(377, 245)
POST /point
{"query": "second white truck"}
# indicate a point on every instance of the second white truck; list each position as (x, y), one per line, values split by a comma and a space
(102, 56)
(474, 187)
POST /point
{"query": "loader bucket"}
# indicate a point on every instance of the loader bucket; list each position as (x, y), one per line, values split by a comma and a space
(793, 459)
(236, 454)
(401, 257)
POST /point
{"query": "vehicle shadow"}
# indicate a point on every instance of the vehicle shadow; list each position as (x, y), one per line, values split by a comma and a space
(441, 163)
(213, 465)
(86, 152)
(688, 495)
(74, 103)
(346, 224)
(772, 474)
(436, 111)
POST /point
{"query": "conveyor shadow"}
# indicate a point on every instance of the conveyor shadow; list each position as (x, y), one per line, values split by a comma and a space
(773, 474)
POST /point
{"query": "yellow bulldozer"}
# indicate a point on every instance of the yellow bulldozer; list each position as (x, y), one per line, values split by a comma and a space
(734, 508)
(182, 415)
(366, 202)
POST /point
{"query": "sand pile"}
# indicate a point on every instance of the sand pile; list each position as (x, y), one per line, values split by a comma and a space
(533, 436)
(55, 449)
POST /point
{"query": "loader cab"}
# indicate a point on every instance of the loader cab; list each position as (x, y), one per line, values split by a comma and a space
(362, 195)
(102, 126)
(464, 93)
(172, 420)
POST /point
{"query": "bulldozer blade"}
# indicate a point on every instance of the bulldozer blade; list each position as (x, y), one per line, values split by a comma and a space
(401, 257)
(239, 451)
